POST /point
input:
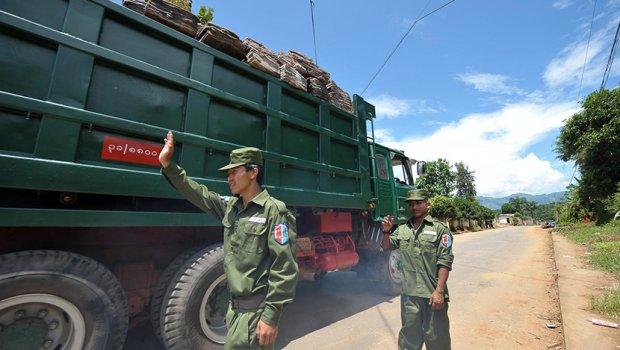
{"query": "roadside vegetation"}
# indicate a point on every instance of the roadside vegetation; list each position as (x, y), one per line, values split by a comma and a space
(453, 196)
(591, 139)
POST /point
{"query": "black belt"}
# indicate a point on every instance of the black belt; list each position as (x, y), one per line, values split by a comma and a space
(250, 302)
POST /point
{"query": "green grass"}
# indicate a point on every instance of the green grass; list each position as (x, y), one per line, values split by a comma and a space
(608, 304)
(606, 256)
(603, 243)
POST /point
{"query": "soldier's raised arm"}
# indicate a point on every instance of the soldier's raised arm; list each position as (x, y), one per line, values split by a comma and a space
(389, 239)
(196, 193)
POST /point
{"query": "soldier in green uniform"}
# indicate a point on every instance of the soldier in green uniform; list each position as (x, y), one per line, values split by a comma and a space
(259, 241)
(425, 247)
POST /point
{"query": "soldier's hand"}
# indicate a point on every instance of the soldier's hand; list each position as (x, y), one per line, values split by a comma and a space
(265, 333)
(165, 156)
(437, 300)
(387, 223)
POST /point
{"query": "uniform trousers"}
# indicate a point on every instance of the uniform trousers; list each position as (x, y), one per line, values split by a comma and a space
(241, 325)
(423, 325)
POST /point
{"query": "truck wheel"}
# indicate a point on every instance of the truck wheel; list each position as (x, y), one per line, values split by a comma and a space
(158, 309)
(383, 270)
(390, 275)
(196, 302)
(59, 300)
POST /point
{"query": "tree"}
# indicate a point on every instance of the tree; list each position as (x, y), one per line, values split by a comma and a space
(438, 179)
(205, 14)
(544, 212)
(591, 138)
(443, 208)
(467, 207)
(508, 208)
(464, 181)
(519, 205)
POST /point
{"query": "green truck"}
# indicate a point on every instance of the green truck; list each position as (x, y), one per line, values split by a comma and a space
(94, 240)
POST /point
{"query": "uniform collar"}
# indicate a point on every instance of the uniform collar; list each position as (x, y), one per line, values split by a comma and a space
(261, 198)
(427, 218)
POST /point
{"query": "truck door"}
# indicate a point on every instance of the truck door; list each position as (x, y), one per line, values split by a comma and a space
(384, 188)
(403, 182)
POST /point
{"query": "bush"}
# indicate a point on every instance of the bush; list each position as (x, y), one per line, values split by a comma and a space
(443, 208)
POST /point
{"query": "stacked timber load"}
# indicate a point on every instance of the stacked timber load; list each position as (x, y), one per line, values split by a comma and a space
(166, 14)
(289, 74)
(221, 39)
(310, 69)
(339, 97)
(293, 68)
(261, 57)
(318, 88)
(317, 77)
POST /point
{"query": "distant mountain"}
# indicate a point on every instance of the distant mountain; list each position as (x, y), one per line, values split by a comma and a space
(495, 203)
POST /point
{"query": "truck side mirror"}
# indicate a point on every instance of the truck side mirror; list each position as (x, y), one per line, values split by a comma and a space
(421, 167)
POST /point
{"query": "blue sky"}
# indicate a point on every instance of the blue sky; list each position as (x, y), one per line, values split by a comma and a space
(485, 82)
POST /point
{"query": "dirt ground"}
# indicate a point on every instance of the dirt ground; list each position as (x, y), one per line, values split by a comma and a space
(511, 308)
(502, 290)
(577, 283)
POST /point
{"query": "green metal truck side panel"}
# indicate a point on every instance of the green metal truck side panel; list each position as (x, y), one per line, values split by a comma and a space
(72, 72)
(10, 217)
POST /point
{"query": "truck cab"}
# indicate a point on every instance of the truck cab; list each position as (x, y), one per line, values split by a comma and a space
(392, 179)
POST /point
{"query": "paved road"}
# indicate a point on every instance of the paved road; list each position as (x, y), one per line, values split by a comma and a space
(344, 312)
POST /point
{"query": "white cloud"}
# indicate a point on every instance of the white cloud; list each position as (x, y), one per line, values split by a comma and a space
(562, 4)
(387, 106)
(565, 70)
(491, 83)
(494, 146)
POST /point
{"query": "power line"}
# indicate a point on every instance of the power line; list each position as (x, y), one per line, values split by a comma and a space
(403, 38)
(316, 58)
(610, 60)
(585, 59)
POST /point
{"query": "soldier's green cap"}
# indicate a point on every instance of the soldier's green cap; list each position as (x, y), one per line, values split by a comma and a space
(416, 195)
(242, 156)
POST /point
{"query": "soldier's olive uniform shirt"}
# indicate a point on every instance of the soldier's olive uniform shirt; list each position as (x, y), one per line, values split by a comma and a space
(254, 262)
(421, 251)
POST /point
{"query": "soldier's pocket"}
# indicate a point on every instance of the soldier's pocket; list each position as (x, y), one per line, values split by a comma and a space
(428, 243)
(254, 238)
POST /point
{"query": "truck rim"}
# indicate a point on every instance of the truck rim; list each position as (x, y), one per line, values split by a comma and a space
(394, 267)
(40, 321)
(213, 310)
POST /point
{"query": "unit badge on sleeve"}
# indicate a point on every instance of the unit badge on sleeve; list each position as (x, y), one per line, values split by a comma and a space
(446, 241)
(280, 234)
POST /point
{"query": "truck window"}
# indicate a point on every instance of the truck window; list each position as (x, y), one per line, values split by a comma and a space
(382, 169)
(401, 173)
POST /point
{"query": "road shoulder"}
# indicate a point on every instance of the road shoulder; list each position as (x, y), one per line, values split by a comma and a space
(577, 283)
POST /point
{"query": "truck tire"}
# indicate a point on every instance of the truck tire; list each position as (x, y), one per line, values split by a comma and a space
(196, 302)
(157, 309)
(382, 269)
(59, 300)
(388, 273)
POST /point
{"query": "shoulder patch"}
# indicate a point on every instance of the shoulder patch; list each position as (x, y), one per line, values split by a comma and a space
(280, 234)
(446, 240)
(279, 204)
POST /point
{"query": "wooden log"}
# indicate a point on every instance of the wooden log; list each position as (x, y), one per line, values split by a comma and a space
(339, 97)
(263, 62)
(292, 77)
(135, 5)
(221, 39)
(317, 88)
(172, 16)
(310, 69)
(284, 58)
(261, 57)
